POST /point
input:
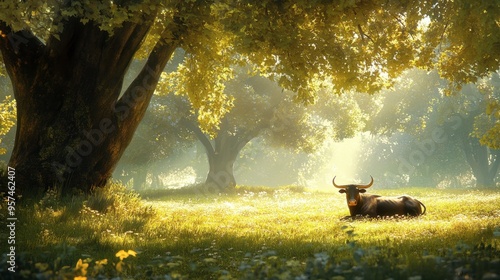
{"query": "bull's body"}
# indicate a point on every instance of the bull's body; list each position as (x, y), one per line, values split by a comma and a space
(361, 204)
(375, 205)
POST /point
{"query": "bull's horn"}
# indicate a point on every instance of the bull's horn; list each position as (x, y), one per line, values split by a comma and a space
(366, 186)
(335, 185)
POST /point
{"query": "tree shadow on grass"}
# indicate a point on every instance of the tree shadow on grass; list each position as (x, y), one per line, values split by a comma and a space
(57, 236)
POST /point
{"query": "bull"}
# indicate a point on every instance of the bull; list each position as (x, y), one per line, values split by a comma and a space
(372, 205)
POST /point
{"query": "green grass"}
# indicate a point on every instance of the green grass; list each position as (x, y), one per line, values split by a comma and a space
(256, 233)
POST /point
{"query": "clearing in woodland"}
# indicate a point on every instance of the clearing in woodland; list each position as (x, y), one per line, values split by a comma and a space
(256, 233)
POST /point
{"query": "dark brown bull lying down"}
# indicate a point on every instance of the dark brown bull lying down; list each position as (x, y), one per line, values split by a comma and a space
(373, 205)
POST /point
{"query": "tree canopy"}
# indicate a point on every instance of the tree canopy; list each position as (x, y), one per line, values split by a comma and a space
(360, 45)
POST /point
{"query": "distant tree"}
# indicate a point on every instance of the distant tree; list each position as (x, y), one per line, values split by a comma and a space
(262, 109)
(67, 61)
(445, 128)
(488, 128)
(405, 159)
(476, 127)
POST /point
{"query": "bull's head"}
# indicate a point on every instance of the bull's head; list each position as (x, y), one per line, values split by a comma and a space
(352, 191)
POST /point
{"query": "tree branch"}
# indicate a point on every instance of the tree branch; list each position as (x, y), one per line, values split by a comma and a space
(20, 51)
(495, 163)
(200, 135)
(363, 34)
(122, 46)
(118, 53)
(249, 135)
(131, 107)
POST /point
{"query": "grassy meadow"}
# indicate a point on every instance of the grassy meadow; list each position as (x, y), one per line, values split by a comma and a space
(254, 233)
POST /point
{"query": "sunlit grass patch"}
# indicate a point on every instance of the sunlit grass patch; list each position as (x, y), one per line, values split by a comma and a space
(252, 233)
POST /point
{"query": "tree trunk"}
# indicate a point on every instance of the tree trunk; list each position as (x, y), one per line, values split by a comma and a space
(72, 124)
(487, 166)
(221, 168)
(222, 153)
(140, 179)
(483, 161)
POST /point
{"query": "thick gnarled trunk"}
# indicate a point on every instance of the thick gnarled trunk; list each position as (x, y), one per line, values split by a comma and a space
(72, 124)
(221, 168)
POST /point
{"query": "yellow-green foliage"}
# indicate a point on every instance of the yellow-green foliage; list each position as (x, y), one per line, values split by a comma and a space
(255, 234)
(7, 118)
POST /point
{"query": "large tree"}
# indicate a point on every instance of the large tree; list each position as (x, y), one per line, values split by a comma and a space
(67, 59)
